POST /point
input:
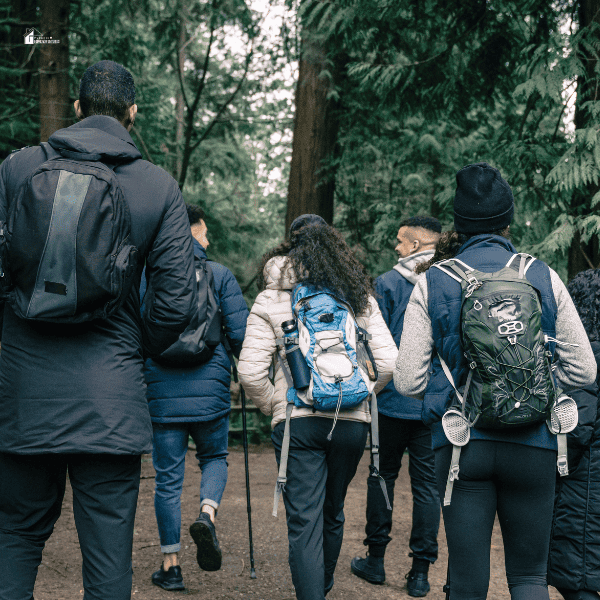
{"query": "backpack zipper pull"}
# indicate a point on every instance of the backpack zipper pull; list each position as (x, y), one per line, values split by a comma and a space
(338, 380)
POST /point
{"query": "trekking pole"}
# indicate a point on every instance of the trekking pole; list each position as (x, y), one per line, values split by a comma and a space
(245, 434)
(446, 588)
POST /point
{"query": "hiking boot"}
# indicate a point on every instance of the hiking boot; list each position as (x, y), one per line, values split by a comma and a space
(328, 583)
(208, 554)
(171, 579)
(370, 569)
(417, 584)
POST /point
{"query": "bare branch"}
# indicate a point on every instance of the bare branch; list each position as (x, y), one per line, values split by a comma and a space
(204, 70)
(228, 101)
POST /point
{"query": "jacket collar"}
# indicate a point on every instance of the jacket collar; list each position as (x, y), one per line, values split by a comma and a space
(487, 240)
(199, 249)
(406, 266)
(109, 125)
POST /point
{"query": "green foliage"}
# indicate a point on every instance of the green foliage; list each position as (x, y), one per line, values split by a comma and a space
(433, 86)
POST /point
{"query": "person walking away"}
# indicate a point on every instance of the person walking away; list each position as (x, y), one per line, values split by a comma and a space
(401, 429)
(325, 446)
(574, 560)
(72, 394)
(194, 401)
(511, 471)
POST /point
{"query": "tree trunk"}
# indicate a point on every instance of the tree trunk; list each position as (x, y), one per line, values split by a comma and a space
(179, 102)
(582, 255)
(56, 111)
(315, 134)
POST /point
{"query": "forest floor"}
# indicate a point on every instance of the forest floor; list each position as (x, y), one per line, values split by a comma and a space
(59, 576)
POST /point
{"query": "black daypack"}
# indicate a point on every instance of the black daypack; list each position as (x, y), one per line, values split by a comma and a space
(65, 251)
(197, 343)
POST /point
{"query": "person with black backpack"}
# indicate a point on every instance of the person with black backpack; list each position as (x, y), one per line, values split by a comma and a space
(188, 395)
(492, 343)
(79, 215)
(316, 350)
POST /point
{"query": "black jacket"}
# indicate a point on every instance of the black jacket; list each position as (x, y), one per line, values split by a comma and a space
(80, 388)
(574, 560)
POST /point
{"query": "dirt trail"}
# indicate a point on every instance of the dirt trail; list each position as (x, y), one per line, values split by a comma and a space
(59, 575)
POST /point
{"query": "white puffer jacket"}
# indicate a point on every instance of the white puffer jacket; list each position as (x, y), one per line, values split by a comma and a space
(271, 309)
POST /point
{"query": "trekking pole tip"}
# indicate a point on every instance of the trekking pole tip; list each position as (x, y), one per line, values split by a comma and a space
(252, 573)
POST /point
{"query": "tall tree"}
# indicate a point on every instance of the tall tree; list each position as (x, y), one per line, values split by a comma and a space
(311, 189)
(55, 106)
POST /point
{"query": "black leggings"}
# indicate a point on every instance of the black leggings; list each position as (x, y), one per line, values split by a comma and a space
(516, 482)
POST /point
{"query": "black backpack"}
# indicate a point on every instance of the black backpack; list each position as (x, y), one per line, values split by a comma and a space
(65, 254)
(197, 343)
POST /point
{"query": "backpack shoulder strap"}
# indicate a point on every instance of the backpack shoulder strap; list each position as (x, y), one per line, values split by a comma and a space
(522, 266)
(374, 466)
(451, 268)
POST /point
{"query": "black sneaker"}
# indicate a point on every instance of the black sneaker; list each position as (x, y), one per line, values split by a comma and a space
(370, 569)
(417, 584)
(208, 554)
(169, 580)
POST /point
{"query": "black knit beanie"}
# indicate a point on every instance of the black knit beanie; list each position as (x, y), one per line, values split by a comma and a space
(483, 200)
(307, 219)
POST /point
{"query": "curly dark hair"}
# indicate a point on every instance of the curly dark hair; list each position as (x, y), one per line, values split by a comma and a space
(585, 292)
(320, 257)
(450, 243)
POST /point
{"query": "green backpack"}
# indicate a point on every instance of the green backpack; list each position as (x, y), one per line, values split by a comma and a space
(510, 382)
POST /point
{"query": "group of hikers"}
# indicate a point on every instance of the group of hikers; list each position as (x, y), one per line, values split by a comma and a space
(119, 336)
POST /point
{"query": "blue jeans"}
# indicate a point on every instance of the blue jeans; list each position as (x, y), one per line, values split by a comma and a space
(168, 455)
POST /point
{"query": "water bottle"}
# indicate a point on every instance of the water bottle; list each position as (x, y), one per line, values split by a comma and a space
(295, 359)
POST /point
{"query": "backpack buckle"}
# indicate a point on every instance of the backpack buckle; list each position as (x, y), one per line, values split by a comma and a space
(453, 474)
(563, 466)
(473, 285)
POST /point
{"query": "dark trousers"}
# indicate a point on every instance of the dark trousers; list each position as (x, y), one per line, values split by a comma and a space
(105, 491)
(515, 482)
(318, 475)
(396, 436)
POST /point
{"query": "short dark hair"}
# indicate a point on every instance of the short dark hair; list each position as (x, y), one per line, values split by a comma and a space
(195, 213)
(107, 88)
(585, 292)
(429, 223)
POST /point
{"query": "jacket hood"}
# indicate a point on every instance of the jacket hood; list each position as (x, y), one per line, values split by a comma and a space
(98, 137)
(278, 274)
(406, 266)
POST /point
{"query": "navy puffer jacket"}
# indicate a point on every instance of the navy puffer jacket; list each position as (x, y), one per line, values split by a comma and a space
(185, 395)
(574, 559)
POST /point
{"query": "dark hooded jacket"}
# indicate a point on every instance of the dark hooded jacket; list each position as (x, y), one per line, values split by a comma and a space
(200, 393)
(574, 559)
(80, 388)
